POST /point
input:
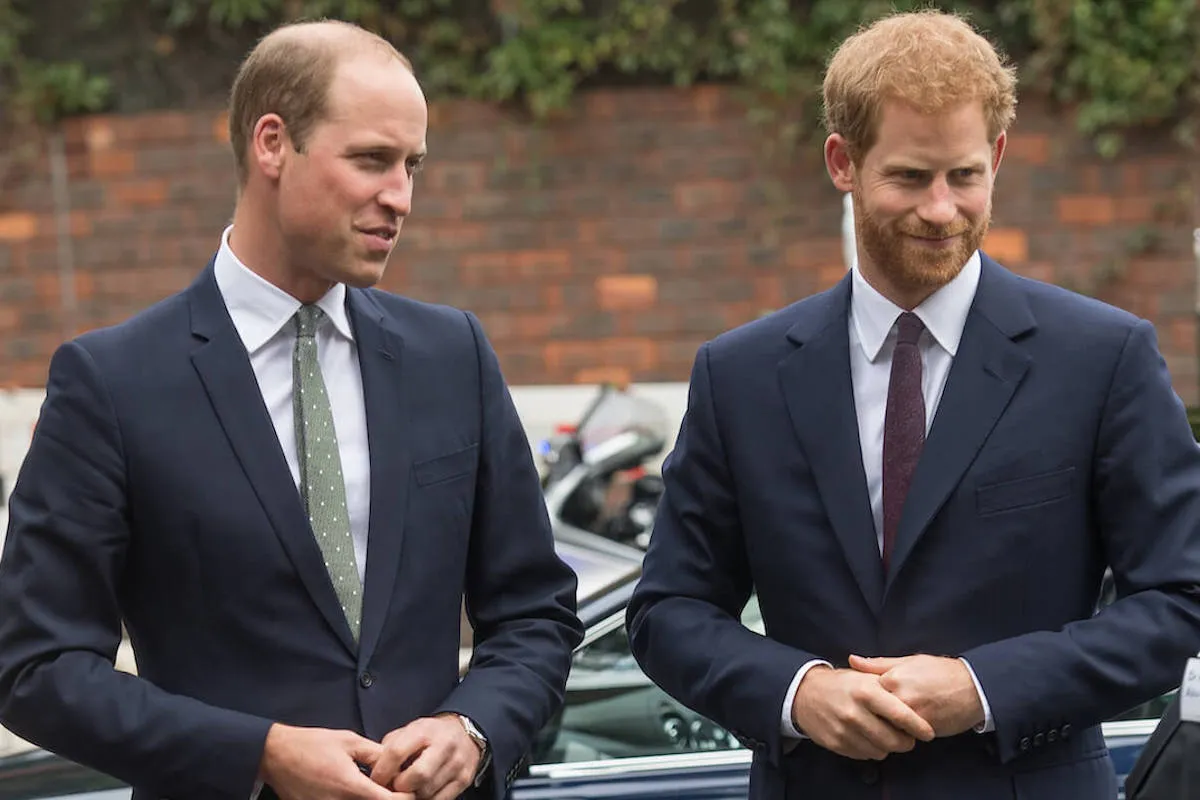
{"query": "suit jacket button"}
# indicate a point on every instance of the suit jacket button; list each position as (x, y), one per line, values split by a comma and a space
(1052, 735)
(1066, 731)
(869, 773)
(1025, 744)
(366, 680)
(1039, 740)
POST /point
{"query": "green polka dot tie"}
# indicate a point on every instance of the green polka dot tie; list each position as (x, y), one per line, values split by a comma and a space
(321, 485)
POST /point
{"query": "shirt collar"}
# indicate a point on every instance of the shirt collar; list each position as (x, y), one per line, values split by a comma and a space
(944, 313)
(259, 308)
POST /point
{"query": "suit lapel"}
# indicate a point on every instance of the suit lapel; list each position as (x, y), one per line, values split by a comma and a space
(816, 384)
(220, 360)
(987, 370)
(380, 356)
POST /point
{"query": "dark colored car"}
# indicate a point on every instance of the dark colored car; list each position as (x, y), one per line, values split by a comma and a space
(618, 736)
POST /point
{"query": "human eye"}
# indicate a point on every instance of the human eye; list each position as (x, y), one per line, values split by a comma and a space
(374, 161)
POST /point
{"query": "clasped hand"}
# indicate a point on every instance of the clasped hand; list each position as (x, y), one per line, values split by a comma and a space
(881, 706)
(431, 758)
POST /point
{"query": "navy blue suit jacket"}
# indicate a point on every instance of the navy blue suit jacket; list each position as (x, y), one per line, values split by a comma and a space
(1059, 447)
(155, 492)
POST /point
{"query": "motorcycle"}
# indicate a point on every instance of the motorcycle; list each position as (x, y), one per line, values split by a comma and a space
(595, 481)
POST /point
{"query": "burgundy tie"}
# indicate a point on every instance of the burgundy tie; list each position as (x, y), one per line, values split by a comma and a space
(903, 426)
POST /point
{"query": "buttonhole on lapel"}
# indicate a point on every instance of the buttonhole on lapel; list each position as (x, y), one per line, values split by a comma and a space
(386, 354)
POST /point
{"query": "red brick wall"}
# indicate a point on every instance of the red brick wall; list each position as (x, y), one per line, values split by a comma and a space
(607, 245)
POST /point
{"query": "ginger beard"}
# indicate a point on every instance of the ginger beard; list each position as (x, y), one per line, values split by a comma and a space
(910, 264)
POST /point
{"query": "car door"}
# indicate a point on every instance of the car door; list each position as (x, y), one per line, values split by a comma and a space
(620, 736)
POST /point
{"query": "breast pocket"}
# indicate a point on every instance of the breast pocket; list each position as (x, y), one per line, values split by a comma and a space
(1022, 493)
(446, 468)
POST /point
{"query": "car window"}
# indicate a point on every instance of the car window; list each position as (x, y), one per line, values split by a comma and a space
(1153, 709)
(613, 710)
(36, 774)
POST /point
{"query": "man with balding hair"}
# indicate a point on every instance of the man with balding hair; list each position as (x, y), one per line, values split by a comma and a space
(285, 483)
(923, 473)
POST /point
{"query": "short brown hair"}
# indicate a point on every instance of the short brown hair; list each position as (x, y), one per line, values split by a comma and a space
(288, 73)
(928, 59)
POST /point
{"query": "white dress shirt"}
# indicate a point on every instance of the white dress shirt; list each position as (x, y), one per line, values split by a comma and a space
(872, 341)
(262, 314)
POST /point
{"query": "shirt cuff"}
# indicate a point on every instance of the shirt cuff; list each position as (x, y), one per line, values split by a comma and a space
(257, 790)
(988, 725)
(786, 725)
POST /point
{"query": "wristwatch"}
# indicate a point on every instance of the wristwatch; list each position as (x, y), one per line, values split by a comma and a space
(481, 742)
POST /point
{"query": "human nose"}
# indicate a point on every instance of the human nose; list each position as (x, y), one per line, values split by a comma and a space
(397, 196)
(938, 206)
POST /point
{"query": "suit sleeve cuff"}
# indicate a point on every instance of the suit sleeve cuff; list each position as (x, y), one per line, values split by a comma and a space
(786, 725)
(988, 725)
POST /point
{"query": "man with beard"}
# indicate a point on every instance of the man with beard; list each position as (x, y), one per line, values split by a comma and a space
(923, 473)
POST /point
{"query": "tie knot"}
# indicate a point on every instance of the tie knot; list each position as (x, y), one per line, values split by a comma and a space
(908, 328)
(307, 318)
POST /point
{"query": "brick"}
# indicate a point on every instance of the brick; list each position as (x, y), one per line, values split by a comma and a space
(498, 326)
(717, 261)
(768, 291)
(707, 100)
(486, 206)
(694, 196)
(626, 292)
(540, 325)
(140, 194)
(486, 267)
(1037, 270)
(98, 133)
(1180, 334)
(85, 286)
(634, 353)
(573, 355)
(570, 356)
(654, 261)
(660, 322)
(108, 163)
(1009, 246)
(455, 176)
(587, 325)
(158, 126)
(17, 226)
(731, 167)
(521, 360)
(597, 262)
(829, 275)
(708, 320)
(1029, 148)
(81, 224)
(599, 106)
(541, 264)
(813, 252)
(1131, 178)
(678, 230)
(616, 376)
(550, 297)
(220, 127)
(513, 235)
(1135, 209)
(1087, 210)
